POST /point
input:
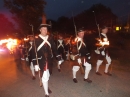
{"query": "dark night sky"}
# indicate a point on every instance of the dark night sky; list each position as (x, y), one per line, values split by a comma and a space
(57, 8)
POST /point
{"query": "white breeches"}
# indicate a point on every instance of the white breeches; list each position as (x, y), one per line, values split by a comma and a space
(88, 67)
(108, 63)
(87, 70)
(31, 66)
(108, 59)
(75, 68)
(99, 62)
(59, 63)
(32, 69)
(45, 76)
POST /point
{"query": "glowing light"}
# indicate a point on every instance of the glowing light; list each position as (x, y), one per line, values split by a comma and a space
(1, 50)
(36, 36)
(77, 39)
(117, 28)
(102, 43)
(10, 43)
(26, 39)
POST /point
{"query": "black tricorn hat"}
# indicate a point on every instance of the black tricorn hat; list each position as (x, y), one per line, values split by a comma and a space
(44, 25)
(80, 30)
(103, 27)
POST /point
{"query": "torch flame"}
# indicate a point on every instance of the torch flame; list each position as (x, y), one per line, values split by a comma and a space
(10, 43)
(102, 43)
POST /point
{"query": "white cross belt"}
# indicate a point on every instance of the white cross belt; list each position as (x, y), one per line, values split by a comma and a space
(44, 41)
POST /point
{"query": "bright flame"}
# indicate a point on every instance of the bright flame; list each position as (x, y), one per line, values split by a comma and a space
(26, 39)
(3, 41)
(104, 42)
(10, 43)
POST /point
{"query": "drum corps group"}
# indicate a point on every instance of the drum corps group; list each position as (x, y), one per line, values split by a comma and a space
(42, 50)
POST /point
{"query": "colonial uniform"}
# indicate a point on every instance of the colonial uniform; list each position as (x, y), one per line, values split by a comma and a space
(102, 52)
(29, 58)
(67, 48)
(80, 57)
(61, 50)
(22, 48)
(45, 47)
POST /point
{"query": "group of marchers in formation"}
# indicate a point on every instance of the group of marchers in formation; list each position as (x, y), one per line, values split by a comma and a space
(42, 49)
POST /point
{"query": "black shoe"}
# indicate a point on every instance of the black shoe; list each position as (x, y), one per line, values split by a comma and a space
(75, 80)
(98, 73)
(59, 70)
(49, 91)
(46, 95)
(33, 78)
(88, 80)
(108, 73)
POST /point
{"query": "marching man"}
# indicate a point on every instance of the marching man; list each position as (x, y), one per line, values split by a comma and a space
(60, 48)
(67, 48)
(80, 57)
(102, 50)
(45, 45)
(29, 56)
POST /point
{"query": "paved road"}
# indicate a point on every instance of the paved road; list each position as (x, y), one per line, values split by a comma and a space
(15, 81)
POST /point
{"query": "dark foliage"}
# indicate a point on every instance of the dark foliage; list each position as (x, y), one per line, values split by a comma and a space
(26, 12)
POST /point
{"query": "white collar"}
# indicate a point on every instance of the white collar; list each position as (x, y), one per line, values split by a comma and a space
(79, 39)
(104, 34)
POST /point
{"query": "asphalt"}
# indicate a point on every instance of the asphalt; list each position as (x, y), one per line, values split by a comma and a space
(16, 80)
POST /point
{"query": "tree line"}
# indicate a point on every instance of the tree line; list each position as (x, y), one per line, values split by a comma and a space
(26, 13)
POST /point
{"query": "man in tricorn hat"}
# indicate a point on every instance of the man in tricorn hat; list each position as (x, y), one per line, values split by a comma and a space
(29, 55)
(103, 51)
(45, 47)
(81, 56)
(61, 49)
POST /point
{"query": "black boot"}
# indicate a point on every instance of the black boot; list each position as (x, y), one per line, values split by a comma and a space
(75, 80)
(49, 91)
(108, 73)
(33, 78)
(88, 80)
(59, 70)
(98, 73)
(46, 95)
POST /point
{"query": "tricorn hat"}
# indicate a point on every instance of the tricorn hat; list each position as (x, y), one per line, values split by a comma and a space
(44, 25)
(103, 27)
(80, 30)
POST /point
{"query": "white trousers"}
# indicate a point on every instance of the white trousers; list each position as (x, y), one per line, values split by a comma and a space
(87, 70)
(59, 63)
(99, 62)
(32, 68)
(45, 79)
(88, 67)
